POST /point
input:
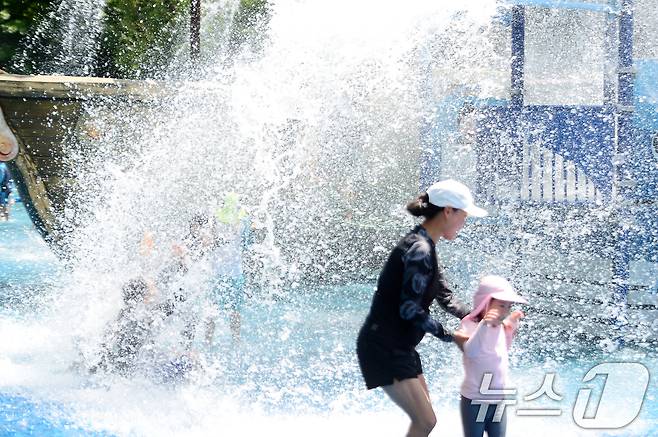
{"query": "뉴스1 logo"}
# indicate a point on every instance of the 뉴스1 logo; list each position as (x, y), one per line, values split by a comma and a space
(600, 411)
(631, 379)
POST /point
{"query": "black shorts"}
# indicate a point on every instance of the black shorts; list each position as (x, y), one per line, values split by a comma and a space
(381, 364)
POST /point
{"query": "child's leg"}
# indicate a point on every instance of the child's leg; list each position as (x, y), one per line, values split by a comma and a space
(469, 413)
(496, 429)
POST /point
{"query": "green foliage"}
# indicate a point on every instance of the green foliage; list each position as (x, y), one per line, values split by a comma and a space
(140, 38)
(16, 18)
(248, 21)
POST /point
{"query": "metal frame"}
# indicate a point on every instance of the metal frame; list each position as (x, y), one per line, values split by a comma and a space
(621, 182)
(625, 133)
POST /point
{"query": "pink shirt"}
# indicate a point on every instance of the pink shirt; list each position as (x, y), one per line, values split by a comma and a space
(485, 352)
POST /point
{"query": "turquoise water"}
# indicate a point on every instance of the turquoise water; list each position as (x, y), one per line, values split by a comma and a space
(293, 371)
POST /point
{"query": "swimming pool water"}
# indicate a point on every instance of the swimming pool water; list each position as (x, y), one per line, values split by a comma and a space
(294, 372)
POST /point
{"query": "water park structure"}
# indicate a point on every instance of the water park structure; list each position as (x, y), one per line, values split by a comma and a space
(584, 147)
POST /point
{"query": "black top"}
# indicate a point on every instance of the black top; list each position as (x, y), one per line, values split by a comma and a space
(409, 282)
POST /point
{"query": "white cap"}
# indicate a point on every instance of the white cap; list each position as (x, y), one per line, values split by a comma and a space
(454, 194)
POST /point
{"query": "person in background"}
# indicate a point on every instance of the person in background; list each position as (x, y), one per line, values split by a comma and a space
(5, 192)
(490, 328)
(399, 316)
(234, 236)
(192, 263)
(130, 331)
(149, 302)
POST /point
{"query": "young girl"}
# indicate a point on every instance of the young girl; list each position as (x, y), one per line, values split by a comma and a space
(490, 328)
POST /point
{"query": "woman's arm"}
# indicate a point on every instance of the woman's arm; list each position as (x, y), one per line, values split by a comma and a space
(460, 337)
(415, 281)
(446, 298)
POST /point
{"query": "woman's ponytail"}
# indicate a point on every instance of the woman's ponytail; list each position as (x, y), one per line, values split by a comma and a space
(421, 207)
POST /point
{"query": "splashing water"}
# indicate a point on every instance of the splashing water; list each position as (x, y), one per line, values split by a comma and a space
(318, 133)
(66, 41)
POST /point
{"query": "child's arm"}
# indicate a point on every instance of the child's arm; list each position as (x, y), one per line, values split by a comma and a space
(511, 324)
(152, 291)
(147, 244)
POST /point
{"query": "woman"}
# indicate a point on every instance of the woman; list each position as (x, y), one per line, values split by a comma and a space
(399, 315)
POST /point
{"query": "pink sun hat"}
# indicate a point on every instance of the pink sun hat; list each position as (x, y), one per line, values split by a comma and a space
(493, 287)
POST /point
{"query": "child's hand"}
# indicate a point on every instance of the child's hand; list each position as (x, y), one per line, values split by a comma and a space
(494, 316)
(516, 316)
(512, 321)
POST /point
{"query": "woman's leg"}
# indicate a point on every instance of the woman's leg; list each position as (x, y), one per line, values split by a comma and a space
(421, 378)
(469, 413)
(411, 396)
